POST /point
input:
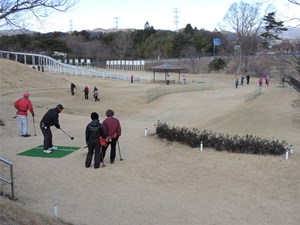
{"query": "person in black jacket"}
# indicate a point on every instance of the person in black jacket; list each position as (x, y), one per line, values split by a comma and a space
(73, 87)
(92, 133)
(50, 119)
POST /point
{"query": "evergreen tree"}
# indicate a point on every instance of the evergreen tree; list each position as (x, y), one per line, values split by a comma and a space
(272, 28)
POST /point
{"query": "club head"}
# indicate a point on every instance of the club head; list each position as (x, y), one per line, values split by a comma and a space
(72, 138)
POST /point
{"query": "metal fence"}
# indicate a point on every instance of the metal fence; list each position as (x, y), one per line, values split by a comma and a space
(164, 89)
(295, 83)
(11, 181)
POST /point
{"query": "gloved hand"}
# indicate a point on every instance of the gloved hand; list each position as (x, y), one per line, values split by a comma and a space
(32, 115)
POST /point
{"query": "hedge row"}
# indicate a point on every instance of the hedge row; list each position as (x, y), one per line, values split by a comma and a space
(239, 144)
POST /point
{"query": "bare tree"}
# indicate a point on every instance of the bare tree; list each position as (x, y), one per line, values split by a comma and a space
(296, 2)
(193, 57)
(245, 20)
(14, 13)
(294, 57)
(122, 44)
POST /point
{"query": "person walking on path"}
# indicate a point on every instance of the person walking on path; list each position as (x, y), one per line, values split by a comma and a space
(86, 92)
(23, 105)
(96, 93)
(112, 130)
(236, 82)
(131, 78)
(260, 81)
(267, 80)
(73, 87)
(248, 78)
(168, 79)
(50, 119)
(242, 79)
(92, 133)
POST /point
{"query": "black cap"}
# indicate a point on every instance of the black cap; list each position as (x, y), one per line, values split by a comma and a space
(60, 106)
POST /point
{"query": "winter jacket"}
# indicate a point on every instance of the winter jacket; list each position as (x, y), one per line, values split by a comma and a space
(93, 131)
(51, 118)
(112, 127)
(23, 105)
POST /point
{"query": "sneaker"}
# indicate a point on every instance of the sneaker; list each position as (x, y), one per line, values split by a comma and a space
(47, 151)
(26, 135)
(53, 148)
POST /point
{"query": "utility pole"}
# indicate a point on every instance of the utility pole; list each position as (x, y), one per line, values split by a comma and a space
(176, 18)
(71, 25)
(117, 22)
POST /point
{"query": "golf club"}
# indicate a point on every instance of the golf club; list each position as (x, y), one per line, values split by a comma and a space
(121, 159)
(34, 126)
(72, 138)
(102, 158)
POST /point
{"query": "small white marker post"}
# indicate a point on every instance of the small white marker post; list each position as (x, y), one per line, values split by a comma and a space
(55, 210)
(146, 131)
(291, 149)
(287, 154)
(201, 146)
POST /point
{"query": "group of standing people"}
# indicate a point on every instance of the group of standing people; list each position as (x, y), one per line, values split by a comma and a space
(242, 80)
(86, 92)
(267, 80)
(109, 131)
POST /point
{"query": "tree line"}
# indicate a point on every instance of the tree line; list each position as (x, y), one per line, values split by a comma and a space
(244, 34)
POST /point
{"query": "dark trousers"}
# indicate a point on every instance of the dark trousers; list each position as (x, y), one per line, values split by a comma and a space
(47, 136)
(86, 95)
(93, 146)
(96, 98)
(72, 91)
(112, 149)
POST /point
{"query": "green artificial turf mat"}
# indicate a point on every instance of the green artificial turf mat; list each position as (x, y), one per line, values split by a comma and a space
(59, 153)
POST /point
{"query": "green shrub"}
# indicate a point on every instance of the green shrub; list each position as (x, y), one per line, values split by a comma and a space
(248, 144)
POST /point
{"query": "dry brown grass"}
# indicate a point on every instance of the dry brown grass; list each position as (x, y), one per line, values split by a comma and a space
(12, 213)
(158, 182)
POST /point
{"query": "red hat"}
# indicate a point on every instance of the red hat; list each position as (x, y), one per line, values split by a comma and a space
(26, 94)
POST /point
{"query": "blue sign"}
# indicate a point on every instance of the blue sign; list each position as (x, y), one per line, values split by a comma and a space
(217, 41)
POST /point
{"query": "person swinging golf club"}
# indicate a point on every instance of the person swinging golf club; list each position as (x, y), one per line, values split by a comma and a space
(50, 119)
(92, 133)
(112, 130)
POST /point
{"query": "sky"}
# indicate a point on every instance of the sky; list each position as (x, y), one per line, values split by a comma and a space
(161, 14)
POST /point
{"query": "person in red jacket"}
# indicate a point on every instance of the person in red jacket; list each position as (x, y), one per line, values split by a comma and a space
(112, 130)
(23, 105)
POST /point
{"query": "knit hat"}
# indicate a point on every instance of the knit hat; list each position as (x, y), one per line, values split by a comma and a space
(26, 95)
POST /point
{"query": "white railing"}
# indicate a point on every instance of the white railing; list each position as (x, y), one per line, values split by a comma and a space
(46, 63)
